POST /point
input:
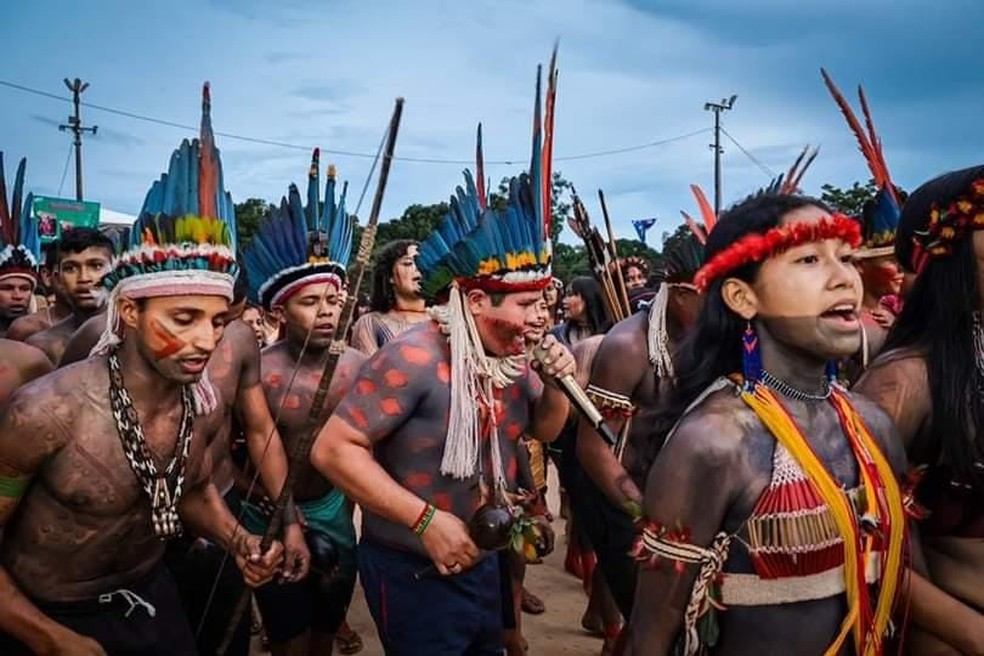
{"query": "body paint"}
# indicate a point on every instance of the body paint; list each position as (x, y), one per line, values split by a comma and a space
(171, 344)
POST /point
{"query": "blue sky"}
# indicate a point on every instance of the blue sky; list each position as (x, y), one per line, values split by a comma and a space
(631, 72)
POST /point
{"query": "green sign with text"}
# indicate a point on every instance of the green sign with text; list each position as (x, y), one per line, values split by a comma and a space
(56, 214)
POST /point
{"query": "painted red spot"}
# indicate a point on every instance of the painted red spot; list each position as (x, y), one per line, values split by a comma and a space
(512, 469)
(169, 342)
(358, 418)
(274, 380)
(515, 392)
(419, 480)
(442, 500)
(512, 431)
(365, 387)
(395, 378)
(444, 372)
(390, 406)
(292, 402)
(415, 354)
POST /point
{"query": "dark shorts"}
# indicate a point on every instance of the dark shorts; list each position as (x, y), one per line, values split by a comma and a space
(610, 531)
(195, 565)
(290, 609)
(457, 615)
(121, 620)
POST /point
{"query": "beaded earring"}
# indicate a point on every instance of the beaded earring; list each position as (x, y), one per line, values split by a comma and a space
(751, 358)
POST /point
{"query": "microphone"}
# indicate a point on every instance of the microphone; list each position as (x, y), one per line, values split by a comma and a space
(576, 396)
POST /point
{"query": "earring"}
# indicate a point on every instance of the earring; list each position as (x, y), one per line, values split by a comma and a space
(751, 358)
(833, 369)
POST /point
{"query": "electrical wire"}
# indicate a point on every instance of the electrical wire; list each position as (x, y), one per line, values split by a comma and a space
(765, 169)
(68, 159)
(348, 153)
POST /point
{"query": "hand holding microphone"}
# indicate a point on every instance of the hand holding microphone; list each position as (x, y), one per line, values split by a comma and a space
(557, 362)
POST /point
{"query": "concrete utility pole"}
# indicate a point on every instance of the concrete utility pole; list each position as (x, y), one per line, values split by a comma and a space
(77, 86)
(717, 108)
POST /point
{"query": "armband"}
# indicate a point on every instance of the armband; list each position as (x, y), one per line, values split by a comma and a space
(13, 487)
(610, 404)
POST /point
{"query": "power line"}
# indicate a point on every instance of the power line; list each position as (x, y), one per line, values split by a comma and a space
(765, 169)
(68, 159)
(347, 153)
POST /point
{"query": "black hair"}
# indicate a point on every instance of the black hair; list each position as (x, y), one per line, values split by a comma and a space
(595, 311)
(714, 348)
(383, 295)
(937, 320)
(76, 240)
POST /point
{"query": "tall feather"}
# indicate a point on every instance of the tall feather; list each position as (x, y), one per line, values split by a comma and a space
(6, 228)
(697, 231)
(706, 211)
(208, 176)
(536, 161)
(798, 170)
(876, 147)
(17, 199)
(548, 141)
(480, 170)
(313, 208)
(869, 150)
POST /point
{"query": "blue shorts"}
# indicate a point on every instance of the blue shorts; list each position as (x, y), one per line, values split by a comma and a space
(458, 615)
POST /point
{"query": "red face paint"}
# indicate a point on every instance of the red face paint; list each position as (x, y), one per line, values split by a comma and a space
(170, 343)
(883, 278)
(504, 337)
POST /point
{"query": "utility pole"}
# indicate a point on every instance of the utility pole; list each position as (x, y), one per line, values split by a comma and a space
(717, 108)
(77, 86)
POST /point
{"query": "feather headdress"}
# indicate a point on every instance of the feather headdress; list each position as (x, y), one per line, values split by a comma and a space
(183, 242)
(498, 250)
(881, 216)
(299, 245)
(20, 244)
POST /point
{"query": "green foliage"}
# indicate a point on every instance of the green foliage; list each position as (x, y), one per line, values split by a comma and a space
(850, 201)
(248, 216)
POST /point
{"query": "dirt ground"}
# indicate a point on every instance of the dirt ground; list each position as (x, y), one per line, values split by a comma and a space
(557, 632)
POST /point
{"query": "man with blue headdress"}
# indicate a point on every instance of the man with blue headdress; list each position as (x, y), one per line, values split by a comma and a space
(99, 465)
(426, 439)
(296, 271)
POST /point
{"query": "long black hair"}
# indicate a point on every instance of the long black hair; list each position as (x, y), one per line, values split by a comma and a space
(596, 315)
(714, 348)
(937, 320)
(383, 295)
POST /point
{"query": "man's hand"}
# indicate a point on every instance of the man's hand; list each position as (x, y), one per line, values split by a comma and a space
(448, 544)
(257, 568)
(297, 557)
(554, 360)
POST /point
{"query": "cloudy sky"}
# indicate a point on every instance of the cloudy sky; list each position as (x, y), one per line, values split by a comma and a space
(632, 72)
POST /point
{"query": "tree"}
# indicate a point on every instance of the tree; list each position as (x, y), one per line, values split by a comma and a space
(248, 216)
(850, 201)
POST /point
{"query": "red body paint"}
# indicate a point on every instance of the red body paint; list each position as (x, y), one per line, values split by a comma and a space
(171, 343)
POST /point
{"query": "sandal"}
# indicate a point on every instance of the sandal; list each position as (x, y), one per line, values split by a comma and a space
(531, 604)
(348, 641)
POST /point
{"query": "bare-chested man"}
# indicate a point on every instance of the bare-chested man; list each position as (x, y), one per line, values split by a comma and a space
(19, 364)
(301, 281)
(627, 380)
(25, 326)
(83, 256)
(82, 556)
(396, 302)
(20, 247)
(429, 433)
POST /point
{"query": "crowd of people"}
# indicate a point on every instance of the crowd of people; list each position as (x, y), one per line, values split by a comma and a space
(796, 396)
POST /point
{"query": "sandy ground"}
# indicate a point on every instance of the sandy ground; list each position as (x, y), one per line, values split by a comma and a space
(557, 632)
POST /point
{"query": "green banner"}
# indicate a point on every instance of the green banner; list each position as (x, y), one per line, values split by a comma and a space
(56, 214)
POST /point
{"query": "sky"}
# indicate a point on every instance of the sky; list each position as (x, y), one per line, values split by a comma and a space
(308, 73)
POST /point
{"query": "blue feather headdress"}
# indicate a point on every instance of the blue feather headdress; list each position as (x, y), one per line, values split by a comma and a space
(183, 242)
(498, 250)
(298, 245)
(20, 244)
